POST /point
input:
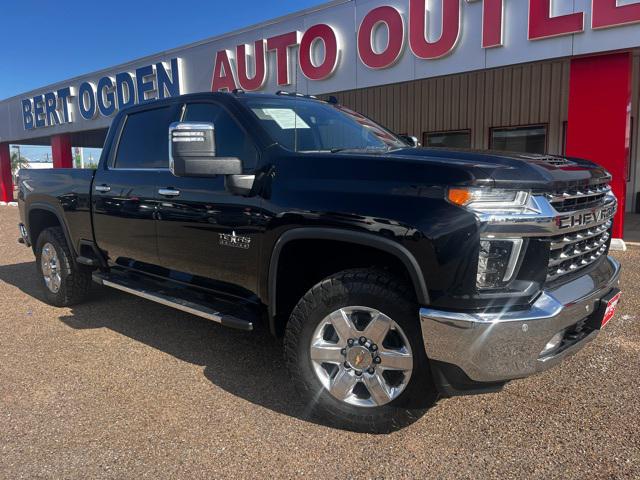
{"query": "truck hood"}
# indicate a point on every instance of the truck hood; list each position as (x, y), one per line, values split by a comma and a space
(509, 170)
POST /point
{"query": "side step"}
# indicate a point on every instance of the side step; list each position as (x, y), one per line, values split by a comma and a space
(177, 297)
(89, 262)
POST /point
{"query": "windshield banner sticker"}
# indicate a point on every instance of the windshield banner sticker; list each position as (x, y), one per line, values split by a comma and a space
(286, 118)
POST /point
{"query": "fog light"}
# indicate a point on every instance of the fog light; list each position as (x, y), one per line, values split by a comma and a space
(552, 344)
(497, 262)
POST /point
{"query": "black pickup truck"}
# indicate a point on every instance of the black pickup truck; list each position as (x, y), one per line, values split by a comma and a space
(395, 274)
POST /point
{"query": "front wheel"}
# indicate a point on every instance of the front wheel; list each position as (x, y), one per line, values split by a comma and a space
(354, 349)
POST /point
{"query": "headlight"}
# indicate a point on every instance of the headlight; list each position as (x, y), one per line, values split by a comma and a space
(491, 200)
(498, 257)
(497, 262)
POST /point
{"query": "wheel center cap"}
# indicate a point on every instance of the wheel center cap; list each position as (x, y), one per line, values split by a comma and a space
(359, 357)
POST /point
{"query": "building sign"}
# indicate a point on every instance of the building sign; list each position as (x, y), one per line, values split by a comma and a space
(339, 46)
(104, 98)
(401, 30)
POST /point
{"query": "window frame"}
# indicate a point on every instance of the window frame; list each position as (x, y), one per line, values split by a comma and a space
(565, 129)
(425, 136)
(522, 126)
(113, 154)
(630, 152)
(247, 133)
(182, 107)
(274, 141)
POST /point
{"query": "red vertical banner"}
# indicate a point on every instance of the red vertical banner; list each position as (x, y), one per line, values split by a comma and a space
(599, 118)
(61, 151)
(6, 180)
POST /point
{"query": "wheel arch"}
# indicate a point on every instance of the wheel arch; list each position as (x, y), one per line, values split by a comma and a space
(38, 218)
(390, 247)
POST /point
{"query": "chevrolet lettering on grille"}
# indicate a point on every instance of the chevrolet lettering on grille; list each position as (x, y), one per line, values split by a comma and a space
(585, 218)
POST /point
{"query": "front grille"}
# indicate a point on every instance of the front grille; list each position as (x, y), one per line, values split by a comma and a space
(573, 251)
(579, 197)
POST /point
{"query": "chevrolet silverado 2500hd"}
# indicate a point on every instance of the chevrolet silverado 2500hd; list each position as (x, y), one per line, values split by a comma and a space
(395, 274)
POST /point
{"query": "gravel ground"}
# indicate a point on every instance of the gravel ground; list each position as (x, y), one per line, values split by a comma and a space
(120, 387)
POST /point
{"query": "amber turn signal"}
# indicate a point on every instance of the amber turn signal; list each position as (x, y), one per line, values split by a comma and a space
(459, 196)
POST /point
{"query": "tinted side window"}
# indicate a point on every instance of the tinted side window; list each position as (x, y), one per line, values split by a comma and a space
(231, 140)
(144, 139)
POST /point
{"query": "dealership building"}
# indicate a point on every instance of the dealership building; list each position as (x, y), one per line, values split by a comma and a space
(543, 76)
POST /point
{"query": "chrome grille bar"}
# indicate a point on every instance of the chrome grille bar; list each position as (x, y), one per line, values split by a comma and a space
(576, 264)
(579, 194)
(581, 247)
(581, 235)
(579, 251)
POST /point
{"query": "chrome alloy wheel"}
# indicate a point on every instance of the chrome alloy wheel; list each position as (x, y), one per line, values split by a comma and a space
(50, 267)
(361, 356)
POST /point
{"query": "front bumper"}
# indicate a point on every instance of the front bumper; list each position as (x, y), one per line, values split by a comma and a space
(500, 346)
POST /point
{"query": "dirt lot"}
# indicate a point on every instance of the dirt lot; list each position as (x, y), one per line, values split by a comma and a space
(123, 388)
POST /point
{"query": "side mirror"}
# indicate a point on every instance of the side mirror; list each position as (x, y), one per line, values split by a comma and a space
(411, 140)
(192, 152)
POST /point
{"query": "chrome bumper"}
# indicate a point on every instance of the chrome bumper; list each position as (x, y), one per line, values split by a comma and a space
(493, 347)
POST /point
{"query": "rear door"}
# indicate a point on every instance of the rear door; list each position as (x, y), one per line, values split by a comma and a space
(125, 188)
(203, 229)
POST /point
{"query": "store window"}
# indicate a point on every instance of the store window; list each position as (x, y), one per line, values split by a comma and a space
(449, 139)
(529, 139)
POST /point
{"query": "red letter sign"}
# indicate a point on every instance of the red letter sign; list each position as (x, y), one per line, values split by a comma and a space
(281, 44)
(222, 73)
(543, 25)
(606, 13)
(417, 29)
(492, 11)
(392, 19)
(258, 79)
(328, 36)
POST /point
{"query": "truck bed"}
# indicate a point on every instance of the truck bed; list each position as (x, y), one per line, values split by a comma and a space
(67, 191)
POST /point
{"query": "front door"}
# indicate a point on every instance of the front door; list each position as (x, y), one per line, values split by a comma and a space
(125, 188)
(203, 229)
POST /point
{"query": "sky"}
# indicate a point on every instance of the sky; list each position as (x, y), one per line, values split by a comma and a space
(42, 42)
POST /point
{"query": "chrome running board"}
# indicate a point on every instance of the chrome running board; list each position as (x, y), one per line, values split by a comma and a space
(157, 292)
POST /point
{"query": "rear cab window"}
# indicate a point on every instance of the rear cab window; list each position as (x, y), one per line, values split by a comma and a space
(143, 142)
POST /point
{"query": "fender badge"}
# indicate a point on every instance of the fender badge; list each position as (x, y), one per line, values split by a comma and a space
(233, 240)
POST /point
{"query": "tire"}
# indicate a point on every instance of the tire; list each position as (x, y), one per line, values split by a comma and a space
(73, 282)
(361, 295)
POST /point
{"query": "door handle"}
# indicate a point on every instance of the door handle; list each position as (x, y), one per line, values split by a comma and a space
(169, 192)
(103, 188)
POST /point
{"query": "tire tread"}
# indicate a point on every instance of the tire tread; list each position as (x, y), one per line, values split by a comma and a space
(76, 279)
(373, 282)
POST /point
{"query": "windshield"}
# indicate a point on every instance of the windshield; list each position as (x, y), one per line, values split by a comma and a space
(307, 126)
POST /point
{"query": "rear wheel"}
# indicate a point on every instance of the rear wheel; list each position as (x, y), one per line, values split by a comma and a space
(354, 348)
(65, 283)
